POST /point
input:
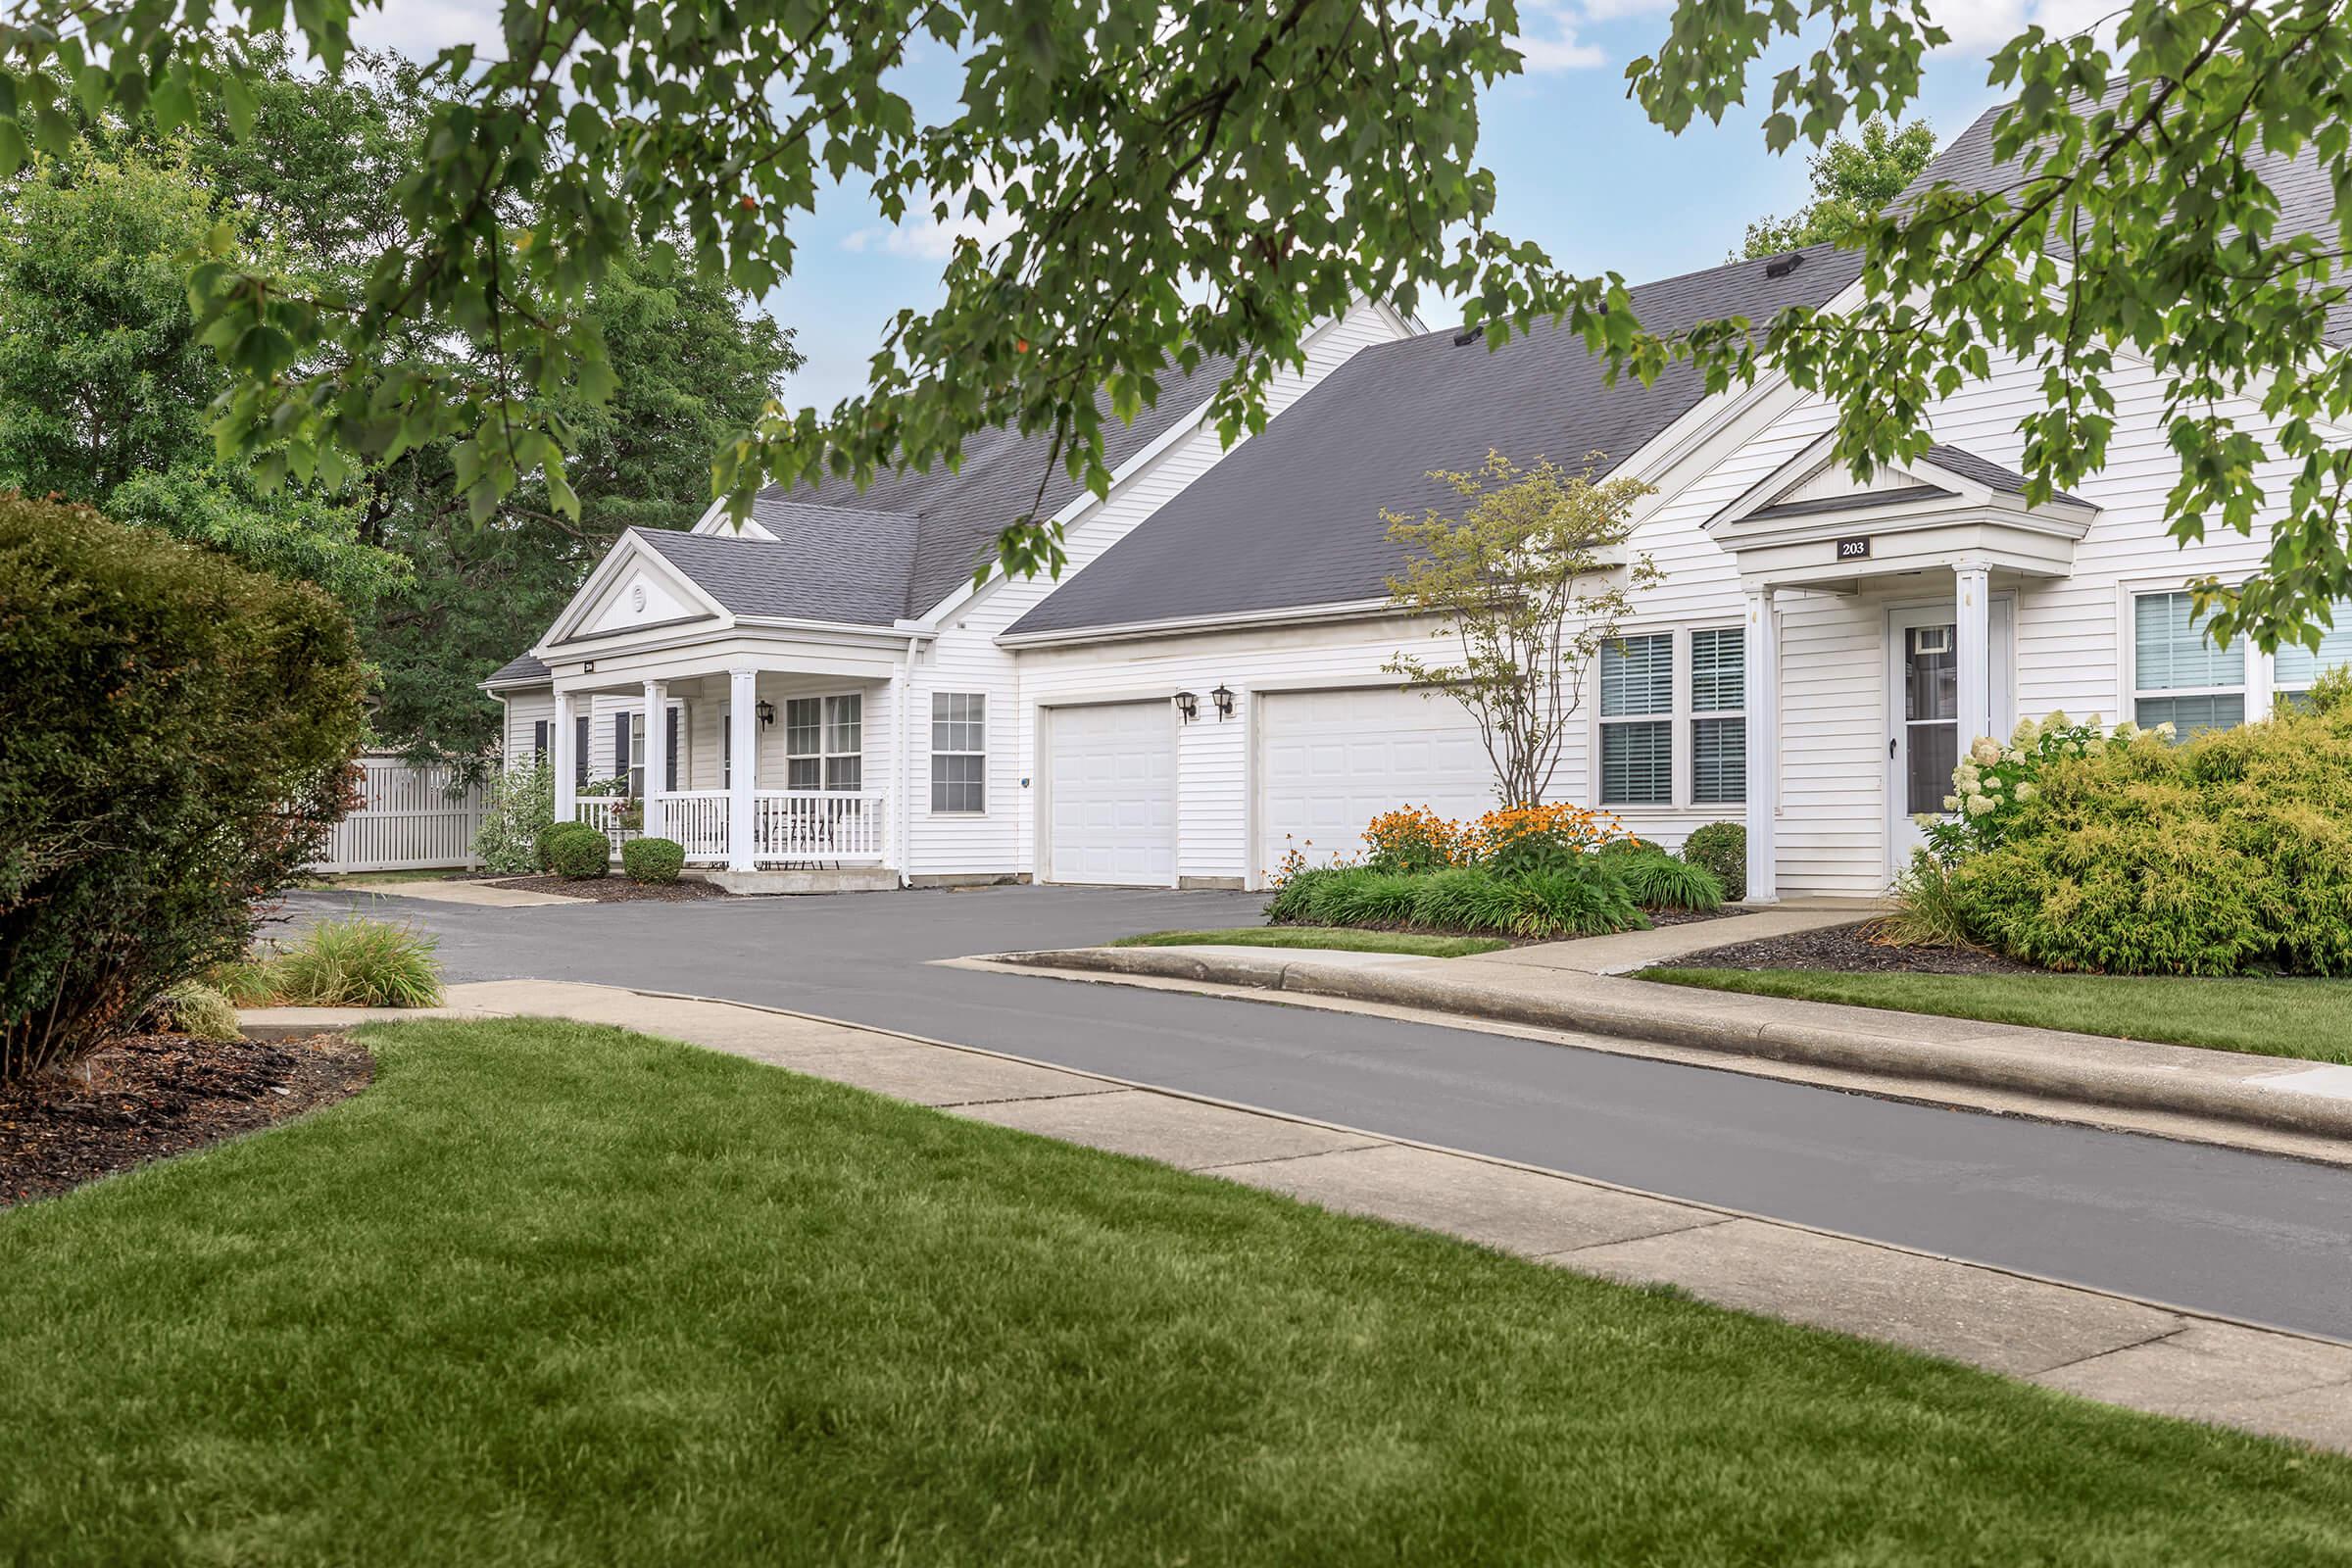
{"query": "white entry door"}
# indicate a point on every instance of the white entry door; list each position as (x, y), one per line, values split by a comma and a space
(1110, 794)
(1330, 761)
(1923, 713)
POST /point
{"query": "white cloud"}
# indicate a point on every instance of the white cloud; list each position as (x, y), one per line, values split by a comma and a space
(1980, 27)
(926, 237)
(422, 29)
(1549, 40)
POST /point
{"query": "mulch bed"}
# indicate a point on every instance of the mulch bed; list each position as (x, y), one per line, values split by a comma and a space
(615, 889)
(150, 1096)
(1843, 948)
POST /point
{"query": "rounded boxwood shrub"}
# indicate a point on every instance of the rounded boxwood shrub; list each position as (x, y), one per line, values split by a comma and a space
(2133, 855)
(178, 735)
(543, 840)
(1720, 848)
(652, 861)
(577, 852)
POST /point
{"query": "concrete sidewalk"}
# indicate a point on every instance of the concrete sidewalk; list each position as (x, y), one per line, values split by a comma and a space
(2270, 1103)
(2140, 1354)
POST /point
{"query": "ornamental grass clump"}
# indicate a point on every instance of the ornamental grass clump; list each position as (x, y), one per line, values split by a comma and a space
(1657, 880)
(358, 962)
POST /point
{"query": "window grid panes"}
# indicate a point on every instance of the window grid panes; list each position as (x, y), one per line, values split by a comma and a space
(958, 747)
(2179, 676)
(2294, 668)
(823, 742)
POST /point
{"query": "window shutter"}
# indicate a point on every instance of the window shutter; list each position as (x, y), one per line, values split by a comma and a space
(542, 732)
(621, 745)
(669, 749)
(579, 751)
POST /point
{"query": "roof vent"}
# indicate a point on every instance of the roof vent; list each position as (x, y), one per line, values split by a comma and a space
(1783, 265)
(1469, 334)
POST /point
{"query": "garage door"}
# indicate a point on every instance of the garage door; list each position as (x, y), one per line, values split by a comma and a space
(1111, 793)
(1330, 761)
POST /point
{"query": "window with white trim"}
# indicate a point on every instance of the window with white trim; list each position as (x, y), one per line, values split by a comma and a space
(1637, 720)
(958, 752)
(1719, 715)
(2179, 676)
(2295, 667)
(824, 745)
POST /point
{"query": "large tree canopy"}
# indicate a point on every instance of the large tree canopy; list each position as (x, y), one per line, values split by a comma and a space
(1853, 178)
(1212, 178)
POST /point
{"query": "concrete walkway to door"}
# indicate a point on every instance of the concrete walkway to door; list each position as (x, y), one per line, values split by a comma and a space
(2139, 1354)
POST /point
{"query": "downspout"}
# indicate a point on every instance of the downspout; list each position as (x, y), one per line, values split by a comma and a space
(905, 769)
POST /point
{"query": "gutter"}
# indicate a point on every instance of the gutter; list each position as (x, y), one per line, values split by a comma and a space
(1285, 616)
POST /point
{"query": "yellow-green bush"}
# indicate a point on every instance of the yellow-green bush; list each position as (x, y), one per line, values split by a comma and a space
(2230, 853)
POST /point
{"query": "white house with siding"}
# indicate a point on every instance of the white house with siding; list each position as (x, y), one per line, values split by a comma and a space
(1202, 687)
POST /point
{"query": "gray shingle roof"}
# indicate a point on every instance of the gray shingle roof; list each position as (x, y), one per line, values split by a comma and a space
(522, 671)
(1986, 473)
(1291, 517)
(907, 541)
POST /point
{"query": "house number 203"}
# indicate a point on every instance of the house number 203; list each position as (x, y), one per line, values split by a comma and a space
(1853, 549)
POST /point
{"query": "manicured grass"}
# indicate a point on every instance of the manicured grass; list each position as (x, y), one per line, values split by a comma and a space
(1347, 939)
(555, 1293)
(2310, 1019)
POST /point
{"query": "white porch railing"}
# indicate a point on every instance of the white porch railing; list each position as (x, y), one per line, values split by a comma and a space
(789, 827)
(604, 814)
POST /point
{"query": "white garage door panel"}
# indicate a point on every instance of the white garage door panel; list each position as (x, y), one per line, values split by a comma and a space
(1111, 793)
(1330, 761)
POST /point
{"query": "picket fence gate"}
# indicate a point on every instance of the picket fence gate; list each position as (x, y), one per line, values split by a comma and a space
(406, 820)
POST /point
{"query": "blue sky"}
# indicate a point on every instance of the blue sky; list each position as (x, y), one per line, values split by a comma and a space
(1578, 168)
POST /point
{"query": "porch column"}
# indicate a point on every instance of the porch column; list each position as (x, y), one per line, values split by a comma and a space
(567, 763)
(1762, 678)
(743, 740)
(657, 759)
(1973, 648)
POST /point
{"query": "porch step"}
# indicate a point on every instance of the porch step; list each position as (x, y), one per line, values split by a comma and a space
(848, 879)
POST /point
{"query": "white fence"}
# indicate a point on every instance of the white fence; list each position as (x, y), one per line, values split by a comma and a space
(407, 820)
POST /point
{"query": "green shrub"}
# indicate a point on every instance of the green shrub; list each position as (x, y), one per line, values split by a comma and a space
(1295, 895)
(1467, 897)
(1582, 896)
(1720, 848)
(247, 982)
(544, 843)
(519, 808)
(1363, 896)
(1928, 909)
(192, 1007)
(358, 962)
(652, 861)
(2131, 855)
(577, 852)
(178, 734)
(1658, 881)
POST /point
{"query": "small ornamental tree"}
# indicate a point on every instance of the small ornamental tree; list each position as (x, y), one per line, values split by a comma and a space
(177, 735)
(1530, 583)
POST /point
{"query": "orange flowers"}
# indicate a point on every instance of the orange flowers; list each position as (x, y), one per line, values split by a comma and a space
(1414, 838)
(1575, 827)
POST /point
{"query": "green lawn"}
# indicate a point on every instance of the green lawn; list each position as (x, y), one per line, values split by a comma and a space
(1347, 939)
(555, 1293)
(2310, 1019)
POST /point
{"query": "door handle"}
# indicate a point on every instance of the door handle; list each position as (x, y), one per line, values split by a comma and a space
(1891, 743)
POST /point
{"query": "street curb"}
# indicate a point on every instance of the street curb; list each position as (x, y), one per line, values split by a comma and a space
(2079, 1069)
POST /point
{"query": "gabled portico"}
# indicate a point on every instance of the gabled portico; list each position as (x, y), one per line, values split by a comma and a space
(1946, 541)
(757, 742)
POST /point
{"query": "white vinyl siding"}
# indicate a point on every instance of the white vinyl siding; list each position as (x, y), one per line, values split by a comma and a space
(1637, 720)
(958, 752)
(2179, 676)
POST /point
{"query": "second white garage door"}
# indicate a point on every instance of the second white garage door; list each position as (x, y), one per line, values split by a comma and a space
(1330, 761)
(1110, 795)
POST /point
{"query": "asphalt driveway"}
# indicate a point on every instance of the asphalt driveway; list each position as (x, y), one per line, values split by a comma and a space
(2249, 1235)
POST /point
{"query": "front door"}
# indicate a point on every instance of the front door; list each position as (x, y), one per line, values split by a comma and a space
(1923, 709)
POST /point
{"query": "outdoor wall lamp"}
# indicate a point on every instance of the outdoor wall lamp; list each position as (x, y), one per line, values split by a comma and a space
(767, 711)
(1189, 706)
(1223, 697)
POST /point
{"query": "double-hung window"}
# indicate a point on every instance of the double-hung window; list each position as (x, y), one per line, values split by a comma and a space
(958, 752)
(2294, 668)
(1637, 720)
(824, 742)
(1718, 715)
(2179, 676)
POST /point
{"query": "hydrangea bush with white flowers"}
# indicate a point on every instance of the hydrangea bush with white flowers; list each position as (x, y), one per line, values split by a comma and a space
(1995, 783)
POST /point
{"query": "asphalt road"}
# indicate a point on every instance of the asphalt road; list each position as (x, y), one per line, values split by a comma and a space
(2247, 1236)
